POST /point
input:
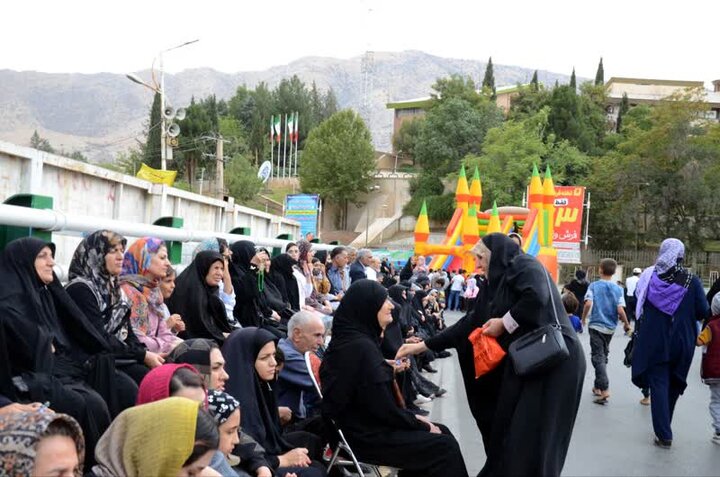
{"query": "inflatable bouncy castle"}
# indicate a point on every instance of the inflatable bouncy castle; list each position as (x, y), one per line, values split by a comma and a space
(469, 224)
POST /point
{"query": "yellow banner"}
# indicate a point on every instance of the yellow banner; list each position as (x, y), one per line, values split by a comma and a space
(156, 176)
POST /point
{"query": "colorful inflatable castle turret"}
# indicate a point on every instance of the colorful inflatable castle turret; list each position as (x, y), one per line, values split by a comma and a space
(469, 224)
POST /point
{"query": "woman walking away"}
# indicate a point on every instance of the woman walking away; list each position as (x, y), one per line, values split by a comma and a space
(358, 393)
(670, 302)
(535, 413)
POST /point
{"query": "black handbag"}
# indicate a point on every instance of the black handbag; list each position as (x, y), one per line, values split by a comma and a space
(539, 350)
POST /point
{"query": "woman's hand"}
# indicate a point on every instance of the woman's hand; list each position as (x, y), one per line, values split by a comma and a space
(409, 349)
(494, 327)
(153, 360)
(17, 407)
(263, 472)
(295, 458)
(432, 427)
(175, 323)
(285, 414)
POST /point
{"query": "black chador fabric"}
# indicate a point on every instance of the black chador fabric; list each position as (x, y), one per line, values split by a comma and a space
(535, 416)
(481, 392)
(197, 302)
(51, 346)
(245, 283)
(260, 417)
(358, 396)
(281, 274)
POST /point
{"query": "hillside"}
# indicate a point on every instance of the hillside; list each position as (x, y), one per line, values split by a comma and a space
(102, 114)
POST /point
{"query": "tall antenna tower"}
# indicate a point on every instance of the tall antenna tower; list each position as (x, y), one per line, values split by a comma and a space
(367, 70)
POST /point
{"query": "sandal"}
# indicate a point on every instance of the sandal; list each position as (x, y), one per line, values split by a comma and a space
(601, 400)
(596, 392)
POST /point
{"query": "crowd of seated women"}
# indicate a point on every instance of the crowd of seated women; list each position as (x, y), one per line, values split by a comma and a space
(142, 371)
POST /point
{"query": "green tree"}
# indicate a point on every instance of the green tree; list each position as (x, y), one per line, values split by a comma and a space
(600, 74)
(528, 102)
(573, 80)
(488, 83)
(405, 141)
(508, 154)
(660, 180)
(40, 143)
(153, 143)
(338, 161)
(622, 111)
(241, 179)
(578, 118)
(197, 148)
(534, 82)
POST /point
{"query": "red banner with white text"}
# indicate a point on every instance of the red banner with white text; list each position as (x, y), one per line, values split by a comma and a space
(569, 202)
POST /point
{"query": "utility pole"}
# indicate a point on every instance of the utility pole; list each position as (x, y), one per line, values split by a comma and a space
(220, 172)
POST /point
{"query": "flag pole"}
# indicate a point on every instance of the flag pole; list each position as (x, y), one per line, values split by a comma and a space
(297, 135)
(285, 149)
(272, 140)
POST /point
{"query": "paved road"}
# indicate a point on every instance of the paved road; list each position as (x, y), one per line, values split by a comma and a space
(611, 440)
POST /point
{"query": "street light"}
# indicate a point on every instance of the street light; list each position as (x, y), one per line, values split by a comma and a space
(165, 154)
(372, 188)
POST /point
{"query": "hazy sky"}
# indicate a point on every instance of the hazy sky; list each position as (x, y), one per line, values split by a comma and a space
(661, 39)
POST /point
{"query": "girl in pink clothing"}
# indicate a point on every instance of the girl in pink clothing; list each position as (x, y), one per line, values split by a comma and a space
(145, 264)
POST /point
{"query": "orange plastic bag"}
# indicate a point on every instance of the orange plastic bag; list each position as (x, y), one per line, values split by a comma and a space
(487, 352)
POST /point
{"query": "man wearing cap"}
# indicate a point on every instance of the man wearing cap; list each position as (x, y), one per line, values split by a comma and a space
(630, 299)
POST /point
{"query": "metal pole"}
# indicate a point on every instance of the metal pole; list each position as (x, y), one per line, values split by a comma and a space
(587, 219)
(272, 145)
(163, 139)
(297, 133)
(220, 167)
(285, 150)
(367, 222)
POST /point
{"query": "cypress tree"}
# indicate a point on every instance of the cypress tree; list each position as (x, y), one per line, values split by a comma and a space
(152, 146)
(573, 81)
(534, 82)
(600, 75)
(624, 107)
(489, 79)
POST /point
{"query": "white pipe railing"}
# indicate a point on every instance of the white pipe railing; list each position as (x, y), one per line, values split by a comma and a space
(55, 221)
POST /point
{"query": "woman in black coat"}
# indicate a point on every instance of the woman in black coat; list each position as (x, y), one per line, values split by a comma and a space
(358, 393)
(535, 415)
(53, 349)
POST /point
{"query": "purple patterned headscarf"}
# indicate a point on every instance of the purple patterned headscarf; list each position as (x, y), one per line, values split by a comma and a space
(665, 284)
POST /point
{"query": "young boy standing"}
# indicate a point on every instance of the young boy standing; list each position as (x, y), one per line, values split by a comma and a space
(604, 304)
(710, 371)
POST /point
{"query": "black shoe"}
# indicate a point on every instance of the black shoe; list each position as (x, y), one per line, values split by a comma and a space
(429, 369)
(443, 354)
(665, 444)
(440, 392)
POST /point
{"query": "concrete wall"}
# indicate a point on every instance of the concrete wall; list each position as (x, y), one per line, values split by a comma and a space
(84, 189)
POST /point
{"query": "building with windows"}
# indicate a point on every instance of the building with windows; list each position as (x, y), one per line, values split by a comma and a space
(415, 108)
(652, 91)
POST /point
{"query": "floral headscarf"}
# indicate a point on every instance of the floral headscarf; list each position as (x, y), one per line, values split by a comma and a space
(665, 284)
(143, 292)
(20, 433)
(88, 267)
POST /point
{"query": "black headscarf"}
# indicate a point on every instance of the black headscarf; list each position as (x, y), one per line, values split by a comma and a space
(503, 251)
(322, 255)
(25, 297)
(353, 357)
(260, 417)
(393, 337)
(196, 352)
(281, 274)
(246, 283)
(197, 302)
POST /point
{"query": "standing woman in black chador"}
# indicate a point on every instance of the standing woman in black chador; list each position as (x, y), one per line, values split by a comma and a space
(358, 393)
(535, 415)
(196, 298)
(50, 343)
(481, 392)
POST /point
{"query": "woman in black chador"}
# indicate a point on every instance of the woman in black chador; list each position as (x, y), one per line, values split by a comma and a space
(53, 350)
(535, 415)
(481, 392)
(358, 393)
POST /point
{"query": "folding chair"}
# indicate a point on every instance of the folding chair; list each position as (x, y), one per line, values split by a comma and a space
(363, 470)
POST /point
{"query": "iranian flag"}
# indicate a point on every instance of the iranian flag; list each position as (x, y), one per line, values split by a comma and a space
(276, 125)
(272, 130)
(289, 126)
(295, 124)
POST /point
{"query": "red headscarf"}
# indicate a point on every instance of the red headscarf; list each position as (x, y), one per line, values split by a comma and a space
(156, 384)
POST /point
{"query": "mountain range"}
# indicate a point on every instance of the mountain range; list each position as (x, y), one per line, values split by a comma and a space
(103, 114)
